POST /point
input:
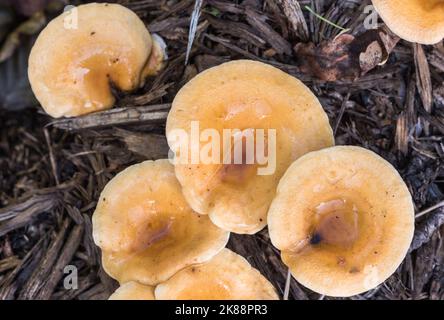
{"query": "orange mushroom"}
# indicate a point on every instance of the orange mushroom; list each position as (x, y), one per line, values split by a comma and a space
(72, 65)
(133, 291)
(251, 101)
(420, 21)
(343, 219)
(227, 276)
(146, 230)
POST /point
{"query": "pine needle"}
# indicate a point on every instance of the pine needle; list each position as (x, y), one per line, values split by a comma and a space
(343, 30)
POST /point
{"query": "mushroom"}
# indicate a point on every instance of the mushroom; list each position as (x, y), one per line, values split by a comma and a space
(73, 65)
(249, 98)
(420, 21)
(227, 276)
(343, 219)
(145, 228)
(133, 291)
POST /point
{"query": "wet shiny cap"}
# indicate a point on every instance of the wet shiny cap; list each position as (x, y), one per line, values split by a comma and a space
(86, 50)
(343, 219)
(145, 228)
(420, 21)
(227, 276)
(133, 291)
(259, 107)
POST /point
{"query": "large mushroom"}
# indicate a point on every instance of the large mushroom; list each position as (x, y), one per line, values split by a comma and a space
(145, 228)
(227, 276)
(343, 219)
(420, 21)
(247, 96)
(84, 51)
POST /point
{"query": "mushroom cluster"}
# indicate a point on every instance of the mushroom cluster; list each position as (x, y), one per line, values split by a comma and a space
(162, 228)
(342, 217)
(150, 237)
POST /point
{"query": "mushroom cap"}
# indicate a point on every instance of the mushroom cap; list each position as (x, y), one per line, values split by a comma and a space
(420, 21)
(71, 65)
(228, 276)
(244, 95)
(145, 228)
(343, 219)
(133, 291)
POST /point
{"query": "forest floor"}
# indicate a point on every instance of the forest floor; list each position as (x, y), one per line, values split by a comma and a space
(52, 171)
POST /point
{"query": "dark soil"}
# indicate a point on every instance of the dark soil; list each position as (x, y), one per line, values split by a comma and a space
(52, 172)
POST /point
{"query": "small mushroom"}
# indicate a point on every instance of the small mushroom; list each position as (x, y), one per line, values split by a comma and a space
(73, 65)
(146, 230)
(343, 219)
(420, 21)
(247, 96)
(227, 276)
(133, 291)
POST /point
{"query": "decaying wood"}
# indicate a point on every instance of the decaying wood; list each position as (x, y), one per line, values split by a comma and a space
(144, 114)
(436, 59)
(425, 263)
(296, 19)
(8, 263)
(35, 205)
(150, 146)
(145, 99)
(67, 253)
(20, 215)
(438, 271)
(228, 6)
(427, 228)
(31, 288)
(12, 282)
(423, 78)
(405, 121)
(258, 22)
(237, 29)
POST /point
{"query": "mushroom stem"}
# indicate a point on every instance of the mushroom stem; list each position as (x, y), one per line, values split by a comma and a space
(157, 58)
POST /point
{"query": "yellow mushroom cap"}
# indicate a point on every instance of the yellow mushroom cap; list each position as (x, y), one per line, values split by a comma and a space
(133, 291)
(227, 276)
(145, 228)
(420, 21)
(343, 219)
(81, 52)
(244, 95)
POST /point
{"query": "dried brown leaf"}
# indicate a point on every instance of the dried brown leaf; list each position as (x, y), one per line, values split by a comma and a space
(345, 57)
